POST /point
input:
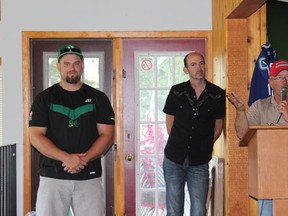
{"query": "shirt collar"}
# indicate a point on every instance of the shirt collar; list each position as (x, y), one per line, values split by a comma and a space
(273, 101)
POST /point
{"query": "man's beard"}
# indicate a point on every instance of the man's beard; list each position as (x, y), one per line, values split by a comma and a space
(73, 79)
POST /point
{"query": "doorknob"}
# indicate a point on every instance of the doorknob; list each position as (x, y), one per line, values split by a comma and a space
(129, 157)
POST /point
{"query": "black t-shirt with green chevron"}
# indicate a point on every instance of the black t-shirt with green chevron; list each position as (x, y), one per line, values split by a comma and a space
(70, 118)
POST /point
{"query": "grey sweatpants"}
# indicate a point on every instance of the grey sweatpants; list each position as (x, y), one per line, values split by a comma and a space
(55, 196)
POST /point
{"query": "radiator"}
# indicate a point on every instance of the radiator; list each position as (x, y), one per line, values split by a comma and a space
(215, 199)
(8, 180)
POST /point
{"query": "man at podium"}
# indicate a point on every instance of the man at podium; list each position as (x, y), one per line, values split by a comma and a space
(272, 110)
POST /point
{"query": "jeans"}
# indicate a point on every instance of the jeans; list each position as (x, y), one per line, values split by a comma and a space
(265, 207)
(197, 179)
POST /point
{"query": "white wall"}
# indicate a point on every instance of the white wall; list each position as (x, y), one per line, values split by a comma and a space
(86, 15)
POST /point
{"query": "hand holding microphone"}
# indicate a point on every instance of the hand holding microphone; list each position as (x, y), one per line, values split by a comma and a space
(284, 91)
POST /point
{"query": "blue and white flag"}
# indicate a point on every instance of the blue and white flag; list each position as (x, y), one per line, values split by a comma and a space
(260, 88)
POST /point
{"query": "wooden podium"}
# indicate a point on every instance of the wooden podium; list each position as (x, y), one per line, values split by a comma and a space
(268, 165)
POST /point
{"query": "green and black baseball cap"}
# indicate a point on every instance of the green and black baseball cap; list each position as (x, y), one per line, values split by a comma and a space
(69, 49)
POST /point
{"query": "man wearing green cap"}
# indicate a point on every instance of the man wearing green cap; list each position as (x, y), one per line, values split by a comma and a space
(71, 125)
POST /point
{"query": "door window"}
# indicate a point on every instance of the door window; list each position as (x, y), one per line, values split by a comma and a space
(155, 73)
(93, 69)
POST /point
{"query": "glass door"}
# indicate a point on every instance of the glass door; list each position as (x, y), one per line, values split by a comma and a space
(151, 68)
(156, 73)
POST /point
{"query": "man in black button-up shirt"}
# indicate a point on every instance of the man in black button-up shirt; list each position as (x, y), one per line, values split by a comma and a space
(195, 112)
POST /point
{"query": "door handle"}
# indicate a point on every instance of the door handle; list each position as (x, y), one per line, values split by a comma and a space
(129, 157)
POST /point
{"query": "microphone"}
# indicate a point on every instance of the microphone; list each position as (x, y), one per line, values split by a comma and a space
(284, 90)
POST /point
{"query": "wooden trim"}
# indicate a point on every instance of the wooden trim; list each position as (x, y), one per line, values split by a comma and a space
(209, 58)
(118, 99)
(117, 95)
(26, 109)
(116, 34)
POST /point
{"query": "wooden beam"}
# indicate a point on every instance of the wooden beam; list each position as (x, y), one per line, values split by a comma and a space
(246, 8)
(236, 179)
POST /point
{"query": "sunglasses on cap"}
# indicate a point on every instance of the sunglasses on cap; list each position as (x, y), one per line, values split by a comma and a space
(69, 49)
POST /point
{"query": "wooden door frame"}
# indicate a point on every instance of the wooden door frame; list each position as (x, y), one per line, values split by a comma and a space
(117, 38)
